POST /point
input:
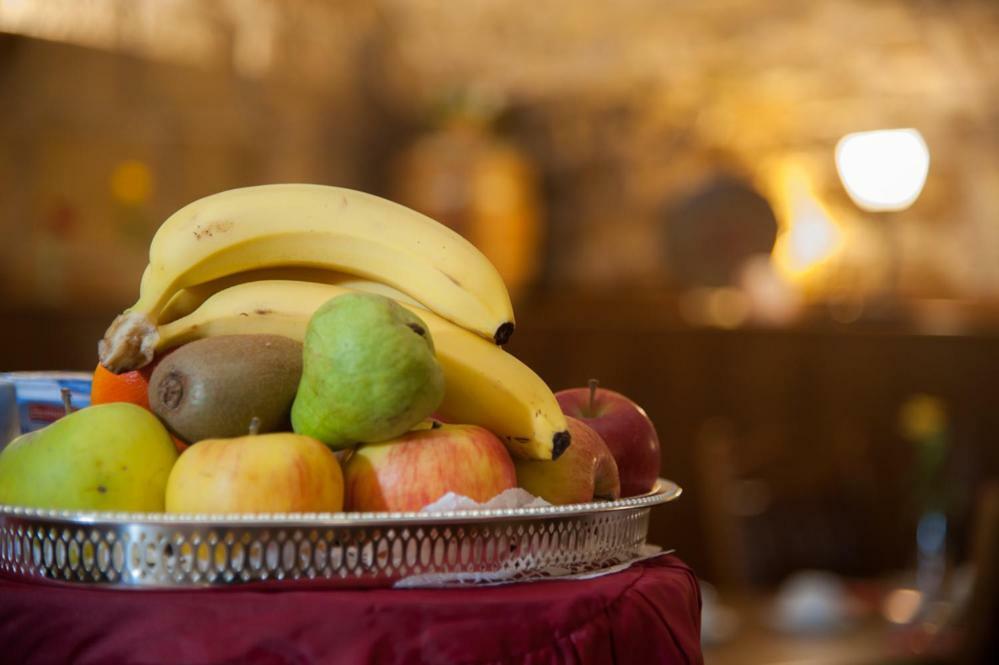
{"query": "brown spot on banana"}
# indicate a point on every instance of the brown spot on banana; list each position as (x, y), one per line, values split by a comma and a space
(209, 230)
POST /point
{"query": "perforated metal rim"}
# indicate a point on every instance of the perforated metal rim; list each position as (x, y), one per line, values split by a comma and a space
(663, 492)
(154, 551)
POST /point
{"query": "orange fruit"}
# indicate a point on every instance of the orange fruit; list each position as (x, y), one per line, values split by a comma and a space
(132, 387)
(129, 387)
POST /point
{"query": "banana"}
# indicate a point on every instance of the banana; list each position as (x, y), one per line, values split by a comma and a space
(187, 300)
(309, 226)
(485, 385)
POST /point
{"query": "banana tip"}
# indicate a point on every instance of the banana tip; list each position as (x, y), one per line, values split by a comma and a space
(560, 442)
(504, 333)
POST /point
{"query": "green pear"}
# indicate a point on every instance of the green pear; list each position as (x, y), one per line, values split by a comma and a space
(369, 372)
(114, 456)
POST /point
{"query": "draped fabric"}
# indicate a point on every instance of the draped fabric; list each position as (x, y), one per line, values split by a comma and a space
(649, 613)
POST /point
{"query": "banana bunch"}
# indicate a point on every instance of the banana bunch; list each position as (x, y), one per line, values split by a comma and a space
(289, 225)
(484, 385)
(263, 259)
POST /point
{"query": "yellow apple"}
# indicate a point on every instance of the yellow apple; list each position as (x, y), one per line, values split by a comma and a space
(585, 472)
(263, 473)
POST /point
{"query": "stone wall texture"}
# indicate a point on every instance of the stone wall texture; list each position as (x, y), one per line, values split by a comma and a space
(627, 110)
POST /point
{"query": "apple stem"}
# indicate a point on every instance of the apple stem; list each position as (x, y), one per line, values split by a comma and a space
(67, 400)
(594, 384)
(254, 426)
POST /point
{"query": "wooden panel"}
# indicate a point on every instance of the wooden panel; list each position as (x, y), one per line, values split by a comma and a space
(810, 416)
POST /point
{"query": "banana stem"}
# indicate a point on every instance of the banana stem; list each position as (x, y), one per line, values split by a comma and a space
(128, 343)
(67, 400)
(254, 426)
(594, 384)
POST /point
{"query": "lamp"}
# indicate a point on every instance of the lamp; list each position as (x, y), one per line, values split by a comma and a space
(883, 170)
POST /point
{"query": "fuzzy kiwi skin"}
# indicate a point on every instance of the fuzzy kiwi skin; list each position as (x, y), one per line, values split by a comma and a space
(212, 387)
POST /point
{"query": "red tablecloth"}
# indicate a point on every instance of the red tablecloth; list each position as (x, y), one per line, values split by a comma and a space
(649, 613)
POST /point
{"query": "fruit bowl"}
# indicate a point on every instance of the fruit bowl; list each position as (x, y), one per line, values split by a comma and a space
(152, 550)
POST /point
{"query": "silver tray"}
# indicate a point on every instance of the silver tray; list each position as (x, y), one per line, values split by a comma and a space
(156, 550)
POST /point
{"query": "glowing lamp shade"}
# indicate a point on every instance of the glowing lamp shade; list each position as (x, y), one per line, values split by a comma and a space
(884, 169)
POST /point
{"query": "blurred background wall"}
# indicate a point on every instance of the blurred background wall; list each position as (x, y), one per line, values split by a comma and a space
(116, 113)
(656, 179)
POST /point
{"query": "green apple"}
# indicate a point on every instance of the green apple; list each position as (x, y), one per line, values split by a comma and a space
(108, 457)
(584, 472)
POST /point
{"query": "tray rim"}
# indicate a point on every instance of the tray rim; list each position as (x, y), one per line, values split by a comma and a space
(664, 491)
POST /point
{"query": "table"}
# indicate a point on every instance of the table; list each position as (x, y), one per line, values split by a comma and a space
(757, 643)
(867, 640)
(649, 613)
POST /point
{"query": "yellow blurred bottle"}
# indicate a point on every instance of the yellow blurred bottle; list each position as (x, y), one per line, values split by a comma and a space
(481, 186)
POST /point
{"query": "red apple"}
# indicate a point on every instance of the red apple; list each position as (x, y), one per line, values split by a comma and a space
(419, 467)
(584, 472)
(624, 427)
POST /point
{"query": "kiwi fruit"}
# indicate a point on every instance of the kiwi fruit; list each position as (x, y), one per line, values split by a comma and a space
(212, 388)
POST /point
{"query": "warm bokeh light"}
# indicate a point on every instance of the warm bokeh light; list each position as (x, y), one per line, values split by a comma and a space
(921, 417)
(812, 237)
(901, 605)
(131, 182)
(727, 307)
(773, 300)
(883, 170)
(809, 237)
